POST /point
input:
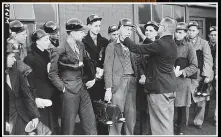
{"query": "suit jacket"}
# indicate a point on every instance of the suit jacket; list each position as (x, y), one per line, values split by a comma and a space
(96, 52)
(38, 61)
(114, 65)
(66, 77)
(160, 77)
(18, 98)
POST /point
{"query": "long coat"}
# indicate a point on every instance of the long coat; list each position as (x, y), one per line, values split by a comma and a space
(207, 71)
(183, 89)
(43, 88)
(20, 106)
(97, 54)
(114, 65)
(160, 77)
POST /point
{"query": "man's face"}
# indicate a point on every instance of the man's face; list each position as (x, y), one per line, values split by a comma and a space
(180, 34)
(125, 31)
(193, 31)
(55, 36)
(44, 42)
(10, 60)
(212, 36)
(162, 28)
(150, 32)
(114, 35)
(95, 27)
(78, 35)
(21, 37)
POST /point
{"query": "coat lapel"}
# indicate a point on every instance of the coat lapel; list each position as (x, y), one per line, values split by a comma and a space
(13, 75)
(90, 43)
(71, 52)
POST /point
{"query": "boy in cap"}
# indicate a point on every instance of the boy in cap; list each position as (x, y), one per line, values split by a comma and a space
(66, 73)
(113, 33)
(95, 45)
(204, 72)
(52, 29)
(187, 61)
(16, 40)
(213, 44)
(120, 67)
(38, 59)
(151, 28)
(19, 105)
(160, 80)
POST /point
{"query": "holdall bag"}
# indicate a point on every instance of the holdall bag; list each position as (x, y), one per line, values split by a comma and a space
(107, 113)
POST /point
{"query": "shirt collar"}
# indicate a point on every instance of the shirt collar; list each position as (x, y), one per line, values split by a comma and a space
(94, 37)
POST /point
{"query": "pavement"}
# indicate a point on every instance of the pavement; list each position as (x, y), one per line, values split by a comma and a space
(207, 127)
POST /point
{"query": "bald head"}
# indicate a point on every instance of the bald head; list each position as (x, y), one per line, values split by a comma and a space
(167, 25)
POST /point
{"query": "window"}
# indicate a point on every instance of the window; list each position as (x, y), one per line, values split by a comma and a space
(167, 10)
(144, 14)
(48, 10)
(157, 12)
(179, 13)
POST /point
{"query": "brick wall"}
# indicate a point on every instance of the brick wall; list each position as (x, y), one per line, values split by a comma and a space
(111, 14)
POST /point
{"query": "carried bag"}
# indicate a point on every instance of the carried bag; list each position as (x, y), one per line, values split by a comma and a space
(107, 113)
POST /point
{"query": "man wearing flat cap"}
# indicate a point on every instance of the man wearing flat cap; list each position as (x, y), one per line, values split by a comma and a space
(204, 72)
(16, 40)
(187, 63)
(95, 45)
(19, 105)
(120, 75)
(160, 79)
(113, 33)
(66, 73)
(151, 28)
(213, 44)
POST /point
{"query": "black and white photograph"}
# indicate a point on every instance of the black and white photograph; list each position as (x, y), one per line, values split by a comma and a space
(110, 68)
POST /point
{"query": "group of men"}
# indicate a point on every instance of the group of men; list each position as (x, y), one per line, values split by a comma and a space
(63, 80)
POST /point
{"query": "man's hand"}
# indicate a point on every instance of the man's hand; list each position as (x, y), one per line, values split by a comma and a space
(99, 72)
(90, 84)
(139, 31)
(177, 71)
(206, 80)
(142, 79)
(39, 103)
(35, 122)
(108, 95)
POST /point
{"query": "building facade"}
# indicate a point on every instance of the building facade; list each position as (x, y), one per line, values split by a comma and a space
(35, 15)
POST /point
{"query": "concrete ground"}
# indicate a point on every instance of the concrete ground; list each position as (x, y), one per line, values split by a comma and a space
(207, 128)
